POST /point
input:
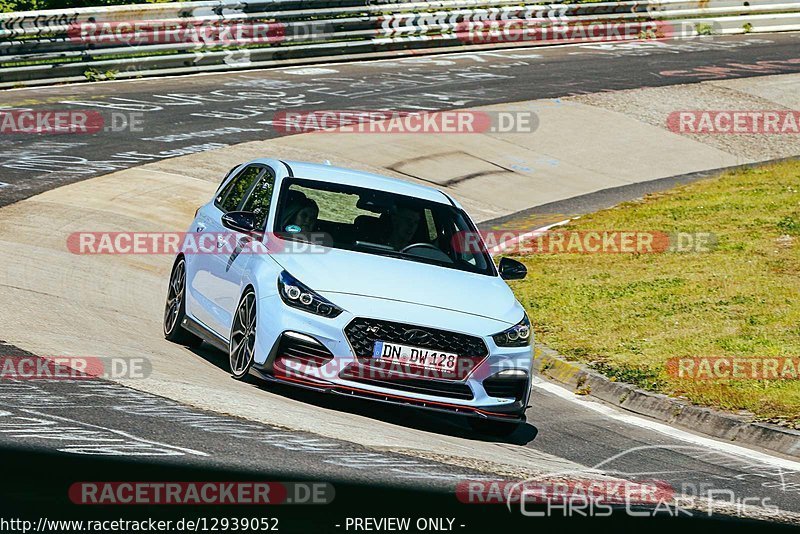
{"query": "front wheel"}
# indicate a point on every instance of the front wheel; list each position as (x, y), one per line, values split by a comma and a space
(242, 347)
(175, 309)
(492, 427)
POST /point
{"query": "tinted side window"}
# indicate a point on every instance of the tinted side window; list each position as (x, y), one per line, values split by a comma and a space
(229, 198)
(222, 182)
(260, 197)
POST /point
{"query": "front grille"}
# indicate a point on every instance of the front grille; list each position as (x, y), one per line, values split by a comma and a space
(506, 388)
(362, 334)
(305, 351)
(440, 388)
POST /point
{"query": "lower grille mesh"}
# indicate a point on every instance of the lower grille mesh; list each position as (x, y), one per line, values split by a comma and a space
(307, 352)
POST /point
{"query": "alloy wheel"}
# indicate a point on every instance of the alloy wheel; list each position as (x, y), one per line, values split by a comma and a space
(177, 287)
(243, 336)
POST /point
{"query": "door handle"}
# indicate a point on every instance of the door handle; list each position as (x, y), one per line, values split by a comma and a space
(201, 227)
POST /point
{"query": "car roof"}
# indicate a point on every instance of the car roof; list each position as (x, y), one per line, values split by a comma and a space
(339, 175)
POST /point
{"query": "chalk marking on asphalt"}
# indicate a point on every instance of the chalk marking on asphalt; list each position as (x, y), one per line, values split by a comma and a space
(402, 466)
(355, 61)
(120, 432)
(635, 420)
(308, 71)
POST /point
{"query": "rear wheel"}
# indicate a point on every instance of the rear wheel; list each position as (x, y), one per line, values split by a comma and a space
(175, 309)
(491, 427)
(242, 347)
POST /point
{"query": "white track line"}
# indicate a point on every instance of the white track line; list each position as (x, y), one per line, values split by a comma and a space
(635, 420)
(500, 247)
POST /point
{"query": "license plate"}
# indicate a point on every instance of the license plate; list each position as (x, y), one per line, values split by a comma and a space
(416, 356)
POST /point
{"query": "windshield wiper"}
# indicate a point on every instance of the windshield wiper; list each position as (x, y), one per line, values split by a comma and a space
(386, 250)
(376, 246)
(380, 250)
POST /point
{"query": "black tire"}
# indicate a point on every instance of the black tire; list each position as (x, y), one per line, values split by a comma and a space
(175, 308)
(491, 427)
(241, 348)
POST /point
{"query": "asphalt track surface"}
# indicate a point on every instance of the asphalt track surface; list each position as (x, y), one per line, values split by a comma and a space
(178, 115)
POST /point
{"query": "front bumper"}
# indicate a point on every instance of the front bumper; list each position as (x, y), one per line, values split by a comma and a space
(515, 410)
(309, 367)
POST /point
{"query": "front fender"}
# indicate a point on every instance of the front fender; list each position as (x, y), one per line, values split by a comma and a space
(262, 275)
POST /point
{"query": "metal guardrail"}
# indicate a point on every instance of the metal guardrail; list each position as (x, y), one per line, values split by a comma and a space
(39, 47)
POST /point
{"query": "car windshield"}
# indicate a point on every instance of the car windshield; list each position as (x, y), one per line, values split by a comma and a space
(380, 223)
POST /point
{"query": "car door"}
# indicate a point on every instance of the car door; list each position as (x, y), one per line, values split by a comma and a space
(236, 255)
(211, 286)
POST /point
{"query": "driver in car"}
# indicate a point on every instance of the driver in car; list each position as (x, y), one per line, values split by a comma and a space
(301, 216)
(404, 222)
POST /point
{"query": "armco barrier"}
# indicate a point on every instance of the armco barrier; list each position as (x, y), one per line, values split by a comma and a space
(39, 47)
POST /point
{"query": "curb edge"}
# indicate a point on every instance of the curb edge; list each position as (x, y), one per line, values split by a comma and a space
(550, 365)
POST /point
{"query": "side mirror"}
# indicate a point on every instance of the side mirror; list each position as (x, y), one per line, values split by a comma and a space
(512, 269)
(240, 221)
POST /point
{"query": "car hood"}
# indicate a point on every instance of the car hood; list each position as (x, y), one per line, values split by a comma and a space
(371, 275)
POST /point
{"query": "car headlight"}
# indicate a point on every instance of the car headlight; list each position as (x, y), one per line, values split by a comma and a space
(293, 293)
(518, 335)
